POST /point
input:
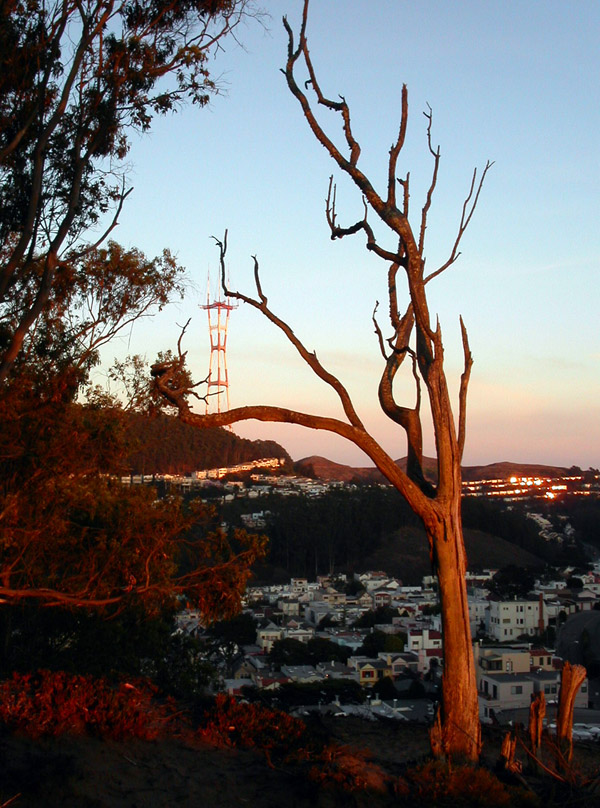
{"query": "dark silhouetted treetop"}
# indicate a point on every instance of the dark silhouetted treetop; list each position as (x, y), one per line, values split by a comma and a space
(512, 582)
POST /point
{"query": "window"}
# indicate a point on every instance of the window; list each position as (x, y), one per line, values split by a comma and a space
(516, 690)
(509, 665)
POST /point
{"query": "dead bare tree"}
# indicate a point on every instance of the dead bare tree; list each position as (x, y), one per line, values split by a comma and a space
(413, 336)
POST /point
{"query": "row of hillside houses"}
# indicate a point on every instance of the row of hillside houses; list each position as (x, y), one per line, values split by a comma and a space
(250, 465)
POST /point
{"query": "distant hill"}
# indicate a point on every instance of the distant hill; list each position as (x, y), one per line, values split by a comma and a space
(321, 468)
(505, 469)
(165, 445)
(405, 554)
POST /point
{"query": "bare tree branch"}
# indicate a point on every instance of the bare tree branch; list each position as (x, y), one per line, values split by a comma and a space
(468, 210)
(395, 151)
(464, 384)
(436, 165)
(309, 357)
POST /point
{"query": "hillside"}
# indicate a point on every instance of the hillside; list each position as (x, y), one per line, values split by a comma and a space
(165, 445)
(86, 772)
(405, 554)
(324, 469)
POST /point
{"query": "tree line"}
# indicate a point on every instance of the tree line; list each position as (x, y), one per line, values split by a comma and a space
(165, 445)
(342, 529)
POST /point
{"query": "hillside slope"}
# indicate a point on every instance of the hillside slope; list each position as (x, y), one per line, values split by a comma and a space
(165, 445)
(405, 554)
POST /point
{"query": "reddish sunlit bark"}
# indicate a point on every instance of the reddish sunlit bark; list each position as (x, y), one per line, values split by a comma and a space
(413, 336)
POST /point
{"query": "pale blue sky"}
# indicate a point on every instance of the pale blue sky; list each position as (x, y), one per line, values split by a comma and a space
(515, 82)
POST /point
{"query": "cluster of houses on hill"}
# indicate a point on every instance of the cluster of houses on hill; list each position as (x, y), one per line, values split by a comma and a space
(512, 661)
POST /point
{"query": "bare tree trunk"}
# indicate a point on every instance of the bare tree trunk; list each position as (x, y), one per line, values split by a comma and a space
(456, 733)
(572, 678)
(461, 730)
(537, 712)
(508, 753)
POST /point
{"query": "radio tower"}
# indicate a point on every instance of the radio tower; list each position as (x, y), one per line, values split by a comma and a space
(218, 322)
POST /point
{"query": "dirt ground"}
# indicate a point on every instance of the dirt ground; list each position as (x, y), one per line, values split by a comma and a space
(83, 772)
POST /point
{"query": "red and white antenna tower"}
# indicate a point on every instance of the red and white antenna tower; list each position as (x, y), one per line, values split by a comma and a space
(218, 321)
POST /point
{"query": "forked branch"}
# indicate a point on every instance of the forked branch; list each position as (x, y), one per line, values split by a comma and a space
(468, 209)
(362, 224)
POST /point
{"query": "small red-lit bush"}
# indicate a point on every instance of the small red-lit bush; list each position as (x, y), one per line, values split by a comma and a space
(349, 769)
(49, 703)
(436, 783)
(276, 734)
(252, 726)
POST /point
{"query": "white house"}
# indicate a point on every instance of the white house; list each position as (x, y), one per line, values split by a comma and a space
(509, 619)
(427, 638)
(265, 637)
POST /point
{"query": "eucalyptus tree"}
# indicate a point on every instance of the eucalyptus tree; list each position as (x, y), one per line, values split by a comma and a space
(77, 79)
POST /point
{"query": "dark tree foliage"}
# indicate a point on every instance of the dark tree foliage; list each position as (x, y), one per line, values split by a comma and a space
(238, 630)
(165, 445)
(336, 531)
(289, 651)
(378, 641)
(584, 515)
(295, 694)
(512, 524)
(512, 582)
(573, 582)
(383, 614)
(77, 641)
(385, 689)
(77, 80)
(509, 523)
(293, 652)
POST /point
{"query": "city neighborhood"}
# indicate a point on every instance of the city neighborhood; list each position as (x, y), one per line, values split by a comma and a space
(513, 654)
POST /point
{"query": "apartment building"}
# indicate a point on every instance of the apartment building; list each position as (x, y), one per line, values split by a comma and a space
(509, 619)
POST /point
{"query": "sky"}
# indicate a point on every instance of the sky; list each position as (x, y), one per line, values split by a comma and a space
(516, 82)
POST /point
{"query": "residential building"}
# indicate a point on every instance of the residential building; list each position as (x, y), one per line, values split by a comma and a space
(267, 636)
(509, 619)
(369, 670)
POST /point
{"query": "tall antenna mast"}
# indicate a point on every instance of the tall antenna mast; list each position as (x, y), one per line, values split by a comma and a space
(218, 322)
